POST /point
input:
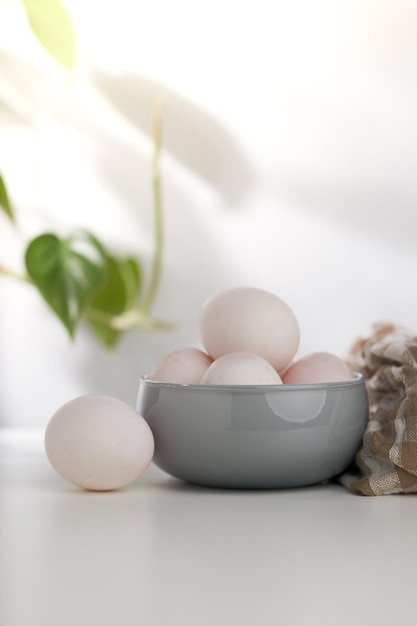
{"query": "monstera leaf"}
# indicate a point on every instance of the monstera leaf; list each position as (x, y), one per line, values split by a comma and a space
(80, 280)
(5, 203)
(53, 28)
(117, 294)
(67, 272)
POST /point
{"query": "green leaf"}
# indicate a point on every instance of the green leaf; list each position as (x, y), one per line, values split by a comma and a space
(132, 276)
(53, 28)
(5, 201)
(67, 272)
(117, 294)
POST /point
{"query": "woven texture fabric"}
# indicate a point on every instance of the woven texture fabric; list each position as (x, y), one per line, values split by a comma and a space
(386, 463)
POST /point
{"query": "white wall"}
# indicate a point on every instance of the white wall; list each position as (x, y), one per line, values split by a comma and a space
(290, 151)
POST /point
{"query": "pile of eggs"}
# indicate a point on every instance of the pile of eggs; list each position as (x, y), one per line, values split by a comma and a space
(250, 337)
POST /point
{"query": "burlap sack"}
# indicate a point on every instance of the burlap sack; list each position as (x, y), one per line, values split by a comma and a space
(386, 463)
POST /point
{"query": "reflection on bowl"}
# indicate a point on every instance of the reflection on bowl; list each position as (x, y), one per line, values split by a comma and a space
(255, 436)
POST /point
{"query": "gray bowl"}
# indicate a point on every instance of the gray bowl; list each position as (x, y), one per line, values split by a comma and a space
(255, 437)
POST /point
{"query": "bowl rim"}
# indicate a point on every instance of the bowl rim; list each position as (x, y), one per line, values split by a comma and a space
(356, 380)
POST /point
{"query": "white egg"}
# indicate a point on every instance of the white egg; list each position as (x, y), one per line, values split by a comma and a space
(98, 442)
(317, 367)
(183, 365)
(241, 368)
(247, 319)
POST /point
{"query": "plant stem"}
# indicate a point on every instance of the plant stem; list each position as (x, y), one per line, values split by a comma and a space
(16, 275)
(125, 321)
(157, 209)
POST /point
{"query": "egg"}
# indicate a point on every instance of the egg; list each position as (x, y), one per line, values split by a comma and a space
(248, 319)
(241, 368)
(183, 365)
(98, 442)
(317, 367)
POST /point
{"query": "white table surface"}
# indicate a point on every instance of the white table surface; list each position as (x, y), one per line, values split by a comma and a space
(163, 553)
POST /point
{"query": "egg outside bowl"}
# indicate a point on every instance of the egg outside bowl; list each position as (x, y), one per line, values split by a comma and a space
(255, 436)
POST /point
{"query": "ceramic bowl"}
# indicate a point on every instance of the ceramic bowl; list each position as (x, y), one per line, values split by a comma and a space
(255, 437)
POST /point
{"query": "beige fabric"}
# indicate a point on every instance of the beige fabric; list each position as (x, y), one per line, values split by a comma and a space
(386, 463)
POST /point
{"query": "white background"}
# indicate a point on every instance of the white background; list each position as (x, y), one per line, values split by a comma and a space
(290, 152)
